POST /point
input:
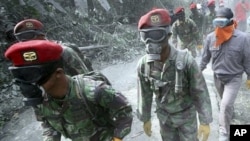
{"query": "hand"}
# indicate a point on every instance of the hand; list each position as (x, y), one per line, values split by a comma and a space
(147, 128)
(203, 132)
(199, 46)
(248, 84)
(116, 139)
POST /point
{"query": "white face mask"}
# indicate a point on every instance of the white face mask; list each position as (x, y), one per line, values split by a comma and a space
(153, 51)
(220, 22)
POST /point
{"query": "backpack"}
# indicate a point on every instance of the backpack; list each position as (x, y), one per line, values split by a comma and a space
(97, 76)
(85, 60)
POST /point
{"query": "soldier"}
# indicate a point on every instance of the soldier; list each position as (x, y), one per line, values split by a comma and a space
(197, 17)
(210, 16)
(229, 50)
(175, 79)
(199, 20)
(187, 31)
(32, 29)
(82, 108)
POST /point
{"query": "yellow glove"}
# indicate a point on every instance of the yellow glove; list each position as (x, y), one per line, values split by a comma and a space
(116, 139)
(248, 84)
(147, 128)
(203, 132)
(199, 46)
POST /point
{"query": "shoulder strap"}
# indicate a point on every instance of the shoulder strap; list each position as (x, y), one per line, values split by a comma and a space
(94, 114)
(81, 95)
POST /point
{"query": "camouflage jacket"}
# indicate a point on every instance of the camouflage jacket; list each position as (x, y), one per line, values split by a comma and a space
(186, 31)
(199, 20)
(71, 118)
(209, 23)
(161, 82)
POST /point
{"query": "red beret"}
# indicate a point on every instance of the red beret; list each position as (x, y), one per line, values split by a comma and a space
(179, 10)
(33, 52)
(211, 3)
(28, 24)
(155, 17)
(192, 6)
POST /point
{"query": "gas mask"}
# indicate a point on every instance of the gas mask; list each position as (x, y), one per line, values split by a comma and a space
(33, 94)
(30, 79)
(153, 38)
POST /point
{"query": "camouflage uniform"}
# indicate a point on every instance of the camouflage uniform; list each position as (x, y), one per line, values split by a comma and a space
(71, 118)
(188, 34)
(73, 65)
(176, 111)
(209, 23)
(199, 21)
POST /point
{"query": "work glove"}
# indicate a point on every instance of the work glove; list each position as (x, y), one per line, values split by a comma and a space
(203, 132)
(248, 84)
(147, 128)
(116, 139)
(199, 46)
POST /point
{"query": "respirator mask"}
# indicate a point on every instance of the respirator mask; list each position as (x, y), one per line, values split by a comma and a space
(33, 94)
(154, 38)
(30, 79)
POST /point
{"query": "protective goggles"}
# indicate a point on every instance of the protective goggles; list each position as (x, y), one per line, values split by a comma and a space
(155, 35)
(38, 74)
(28, 35)
(220, 22)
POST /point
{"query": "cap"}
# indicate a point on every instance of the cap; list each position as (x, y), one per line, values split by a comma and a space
(211, 3)
(33, 52)
(192, 6)
(155, 17)
(179, 10)
(224, 12)
(28, 24)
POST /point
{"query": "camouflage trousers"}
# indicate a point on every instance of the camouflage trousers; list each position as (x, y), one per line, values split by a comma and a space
(180, 126)
(191, 46)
